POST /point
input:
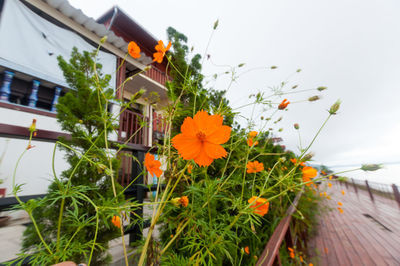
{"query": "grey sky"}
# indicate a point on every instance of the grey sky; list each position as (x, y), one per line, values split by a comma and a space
(352, 47)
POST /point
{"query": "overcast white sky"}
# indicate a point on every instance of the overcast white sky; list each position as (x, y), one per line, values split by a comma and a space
(352, 47)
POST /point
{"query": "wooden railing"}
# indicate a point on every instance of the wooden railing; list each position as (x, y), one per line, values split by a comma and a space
(374, 188)
(270, 255)
(133, 128)
(157, 75)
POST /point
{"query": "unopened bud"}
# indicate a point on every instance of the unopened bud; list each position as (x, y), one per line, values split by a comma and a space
(262, 118)
(274, 67)
(215, 24)
(280, 130)
(334, 108)
(147, 68)
(298, 70)
(138, 94)
(240, 65)
(314, 98)
(32, 128)
(308, 156)
(295, 86)
(321, 88)
(103, 40)
(296, 126)
(371, 167)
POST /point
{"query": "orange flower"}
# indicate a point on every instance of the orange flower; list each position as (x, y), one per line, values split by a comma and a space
(330, 177)
(161, 50)
(190, 168)
(301, 258)
(184, 201)
(134, 50)
(247, 250)
(323, 172)
(260, 205)
(340, 209)
(283, 104)
(252, 134)
(201, 138)
(251, 142)
(116, 221)
(343, 192)
(152, 165)
(294, 161)
(339, 203)
(329, 185)
(254, 167)
(310, 264)
(308, 173)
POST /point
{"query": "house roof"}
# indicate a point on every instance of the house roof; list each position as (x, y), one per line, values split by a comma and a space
(90, 24)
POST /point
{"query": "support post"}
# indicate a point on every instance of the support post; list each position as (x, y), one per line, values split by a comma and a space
(396, 194)
(33, 97)
(138, 195)
(5, 90)
(354, 186)
(369, 191)
(55, 99)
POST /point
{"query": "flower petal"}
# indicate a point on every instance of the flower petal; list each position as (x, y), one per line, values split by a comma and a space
(214, 151)
(203, 159)
(188, 147)
(189, 127)
(220, 135)
(207, 123)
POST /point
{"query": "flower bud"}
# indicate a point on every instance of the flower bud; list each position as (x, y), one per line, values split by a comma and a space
(147, 68)
(176, 202)
(308, 156)
(280, 130)
(371, 167)
(314, 98)
(32, 128)
(241, 65)
(334, 108)
(298, 70)
(295, 86)
(138, 94)
(274, 67)
(103, 40)
(296, 126)
(322, 88)
(215, 24)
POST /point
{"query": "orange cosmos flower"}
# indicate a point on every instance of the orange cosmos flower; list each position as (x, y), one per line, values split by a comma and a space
(134, 50)
(254, 167)
(294, 161)
(116, 221)
(247, 250)
(260, 205)
(339, 203)
(184, 201)
(251, 142)
(329, 185)
(308, 173)
(323, 172)
(201, 138)
(252, 134)
(283, 104)
(340, 210)
(343, 192)
(152, 165)
(161, 50)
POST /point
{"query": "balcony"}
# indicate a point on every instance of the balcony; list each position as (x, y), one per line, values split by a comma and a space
(157, 75)
(133, 128)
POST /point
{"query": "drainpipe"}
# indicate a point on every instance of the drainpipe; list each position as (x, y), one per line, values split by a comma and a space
(113, 18)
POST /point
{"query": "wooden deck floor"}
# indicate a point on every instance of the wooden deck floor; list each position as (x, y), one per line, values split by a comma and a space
(365, 233)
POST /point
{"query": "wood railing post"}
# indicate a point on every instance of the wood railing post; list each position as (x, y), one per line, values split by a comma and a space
(396, 194)
(355, 187)
(369, 191)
